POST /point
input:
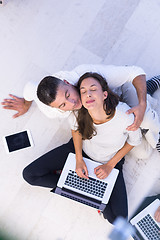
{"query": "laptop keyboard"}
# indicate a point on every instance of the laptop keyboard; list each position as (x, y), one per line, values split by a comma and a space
(91, 185)
(149, 228)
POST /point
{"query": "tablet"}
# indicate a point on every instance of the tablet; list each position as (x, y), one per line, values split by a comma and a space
(18, 141)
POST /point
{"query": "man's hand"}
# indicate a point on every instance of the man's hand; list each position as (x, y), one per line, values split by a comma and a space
(138, 112)
(18, 104)
(103, 171)
(157, 215)
(81, 169)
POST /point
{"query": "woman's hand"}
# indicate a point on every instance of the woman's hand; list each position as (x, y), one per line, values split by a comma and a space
(81, 169)
(157, 215)
(103, 171)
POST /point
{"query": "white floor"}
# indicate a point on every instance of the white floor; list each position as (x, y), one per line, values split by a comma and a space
(38, 38)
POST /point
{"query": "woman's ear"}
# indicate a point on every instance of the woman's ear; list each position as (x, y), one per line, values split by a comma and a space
(105, 94)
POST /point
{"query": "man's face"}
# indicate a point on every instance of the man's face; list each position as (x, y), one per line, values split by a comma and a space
(67, 98)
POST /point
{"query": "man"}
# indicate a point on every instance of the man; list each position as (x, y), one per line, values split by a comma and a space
(116, 77)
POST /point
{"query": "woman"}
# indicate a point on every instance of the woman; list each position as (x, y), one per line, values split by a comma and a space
(102, 123)
(43, 171)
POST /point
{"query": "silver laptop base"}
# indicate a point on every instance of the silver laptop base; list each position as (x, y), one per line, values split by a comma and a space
(80, 198)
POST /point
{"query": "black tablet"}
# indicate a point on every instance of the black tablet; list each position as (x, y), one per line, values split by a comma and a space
(18, 141)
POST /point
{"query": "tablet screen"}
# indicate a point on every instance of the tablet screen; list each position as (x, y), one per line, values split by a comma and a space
(18, 141)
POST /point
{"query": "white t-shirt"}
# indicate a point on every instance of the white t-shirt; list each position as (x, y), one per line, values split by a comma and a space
(116, 76)
(111, 136)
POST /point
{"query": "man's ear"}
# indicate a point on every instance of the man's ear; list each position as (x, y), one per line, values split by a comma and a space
(105, 94)
(65, 81)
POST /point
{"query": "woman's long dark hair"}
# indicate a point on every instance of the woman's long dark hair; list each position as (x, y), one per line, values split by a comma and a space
(85, 122)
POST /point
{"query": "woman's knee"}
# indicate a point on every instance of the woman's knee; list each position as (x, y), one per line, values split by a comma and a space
(28, 176)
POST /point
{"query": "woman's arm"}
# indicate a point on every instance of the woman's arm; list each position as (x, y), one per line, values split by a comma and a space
(104, 170)
(81, 168)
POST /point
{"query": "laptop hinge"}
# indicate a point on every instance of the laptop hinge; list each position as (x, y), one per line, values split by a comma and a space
(137, 235)
(80, 198)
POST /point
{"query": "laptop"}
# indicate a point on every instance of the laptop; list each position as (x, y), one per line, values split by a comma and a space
(93, 191)
(146, 226)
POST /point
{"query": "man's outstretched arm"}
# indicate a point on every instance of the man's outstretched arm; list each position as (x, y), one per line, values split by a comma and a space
(18, 104)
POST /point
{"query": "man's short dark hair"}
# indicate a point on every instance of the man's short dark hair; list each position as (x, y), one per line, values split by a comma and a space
(47, 89)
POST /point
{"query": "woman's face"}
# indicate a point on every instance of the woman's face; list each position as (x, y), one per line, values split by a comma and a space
(92, 95)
